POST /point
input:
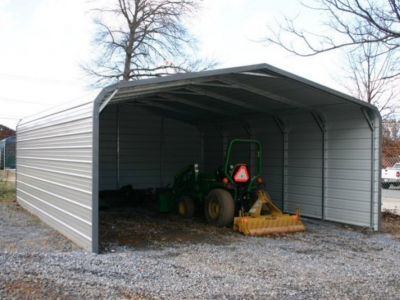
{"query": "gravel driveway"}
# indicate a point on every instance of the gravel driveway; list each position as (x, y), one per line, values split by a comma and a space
(328, 261)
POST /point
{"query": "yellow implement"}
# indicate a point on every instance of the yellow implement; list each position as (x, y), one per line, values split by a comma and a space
(254, 223)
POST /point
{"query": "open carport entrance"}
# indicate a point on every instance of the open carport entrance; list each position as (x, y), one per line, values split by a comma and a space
(320, 147)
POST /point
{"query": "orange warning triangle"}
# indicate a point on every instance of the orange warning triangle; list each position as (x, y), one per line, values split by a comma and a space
(241, 175)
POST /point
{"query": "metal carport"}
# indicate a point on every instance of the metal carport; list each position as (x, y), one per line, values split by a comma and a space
(321, 148)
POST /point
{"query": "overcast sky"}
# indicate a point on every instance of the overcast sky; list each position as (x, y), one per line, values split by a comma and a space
(44, 41)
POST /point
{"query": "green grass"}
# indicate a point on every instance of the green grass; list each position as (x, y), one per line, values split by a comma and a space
(7, 191)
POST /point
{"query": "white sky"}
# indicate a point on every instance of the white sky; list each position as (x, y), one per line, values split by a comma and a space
(44, 41)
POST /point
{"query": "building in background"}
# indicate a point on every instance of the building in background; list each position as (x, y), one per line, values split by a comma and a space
(7, 153)
(6, 132)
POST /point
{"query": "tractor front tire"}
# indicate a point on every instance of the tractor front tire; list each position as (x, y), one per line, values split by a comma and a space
(186, 207)
(219, 208)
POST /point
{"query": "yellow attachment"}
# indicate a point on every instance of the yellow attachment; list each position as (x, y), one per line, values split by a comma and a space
(253, 223)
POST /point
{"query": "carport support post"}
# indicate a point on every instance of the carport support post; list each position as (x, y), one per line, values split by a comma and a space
(320, 119)
(370, 121)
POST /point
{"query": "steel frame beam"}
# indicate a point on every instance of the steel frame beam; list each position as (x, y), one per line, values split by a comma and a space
(269, 95)
(192, 103)
(229, 100)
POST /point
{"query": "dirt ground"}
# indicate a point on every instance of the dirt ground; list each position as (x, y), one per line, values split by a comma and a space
(153, 230)
(144, 229)
(391, 224)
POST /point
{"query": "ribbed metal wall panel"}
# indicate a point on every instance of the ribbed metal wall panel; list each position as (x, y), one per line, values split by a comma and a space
(54, 169)
(213, 148)
(271, 139)
(140, 148)
(108, 144)
(349, 159)
(152, 149)
(241, 153)
(305, 165)
(180, 147)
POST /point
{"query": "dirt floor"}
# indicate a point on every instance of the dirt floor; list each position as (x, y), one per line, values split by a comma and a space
(154, 230)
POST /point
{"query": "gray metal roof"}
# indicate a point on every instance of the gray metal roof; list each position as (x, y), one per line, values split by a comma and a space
(220, 94)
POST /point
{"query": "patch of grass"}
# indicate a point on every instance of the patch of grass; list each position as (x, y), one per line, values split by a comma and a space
(34, 220)
(7, 189)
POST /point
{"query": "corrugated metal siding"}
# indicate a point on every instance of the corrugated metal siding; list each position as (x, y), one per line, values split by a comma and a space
(271, 139)
(108, 177)
(348, 190)
(213, 148)
(304, 172)
(54, 170)
(152, 149)
(181, 147)
(140, 148)
(241, 153)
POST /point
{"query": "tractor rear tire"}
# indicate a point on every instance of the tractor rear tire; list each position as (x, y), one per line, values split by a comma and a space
(186, 207)
(219, 208)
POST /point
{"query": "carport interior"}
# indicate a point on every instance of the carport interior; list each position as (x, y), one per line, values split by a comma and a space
(318, 146)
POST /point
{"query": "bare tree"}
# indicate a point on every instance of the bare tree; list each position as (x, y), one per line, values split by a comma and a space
(143, 38)
(368, 30)
(368, 76)
(391, 138)
(352, 20)
(391, 129)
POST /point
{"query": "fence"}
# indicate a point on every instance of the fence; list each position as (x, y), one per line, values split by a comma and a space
(7, 153)
(391, 184)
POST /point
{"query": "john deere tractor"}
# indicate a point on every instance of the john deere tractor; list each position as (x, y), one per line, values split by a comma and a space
(230, 195)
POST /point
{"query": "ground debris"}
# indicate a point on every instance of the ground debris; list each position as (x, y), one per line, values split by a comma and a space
(391, 224)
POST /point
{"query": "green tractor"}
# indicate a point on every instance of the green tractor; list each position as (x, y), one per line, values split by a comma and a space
(228, 192)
